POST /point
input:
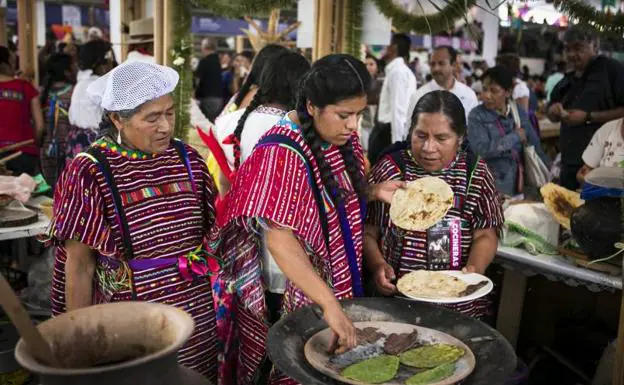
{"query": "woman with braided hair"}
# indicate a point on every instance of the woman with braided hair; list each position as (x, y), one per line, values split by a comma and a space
(239, 131)
(303, 191)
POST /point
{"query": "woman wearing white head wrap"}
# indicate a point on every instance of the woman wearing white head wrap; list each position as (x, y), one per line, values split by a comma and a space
(133, 213)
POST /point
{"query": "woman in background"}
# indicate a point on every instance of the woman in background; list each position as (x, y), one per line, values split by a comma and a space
(494, 135)
(20, 106)
(56, 99)
(96, 59)
(369, 117)
(245, 94)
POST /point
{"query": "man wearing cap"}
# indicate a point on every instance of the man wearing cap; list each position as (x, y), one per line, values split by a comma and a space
(134, 211)
(141, 42)
(589, 96)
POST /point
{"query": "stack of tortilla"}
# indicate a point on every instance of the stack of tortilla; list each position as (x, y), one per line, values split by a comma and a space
(422, 204)
(431, 284)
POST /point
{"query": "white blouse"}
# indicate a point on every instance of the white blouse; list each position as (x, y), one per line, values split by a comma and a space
(83, 113)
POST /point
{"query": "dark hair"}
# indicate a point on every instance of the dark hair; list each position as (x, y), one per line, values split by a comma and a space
(93, 54)
(332, 79)
(107, 127)
(245, 54)
(5, 55)
(256, 69)
(373, 58)
(580, 33)
(510, 61)
(279, 81)
(501, 76)
(447, 104)
(561, 66)
(451, 51)
(56, 71)
(403, 43)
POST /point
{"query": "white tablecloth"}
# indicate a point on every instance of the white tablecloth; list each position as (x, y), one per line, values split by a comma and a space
(556, 268)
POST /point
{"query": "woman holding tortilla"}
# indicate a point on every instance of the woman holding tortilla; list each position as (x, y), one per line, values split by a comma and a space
(434, 149)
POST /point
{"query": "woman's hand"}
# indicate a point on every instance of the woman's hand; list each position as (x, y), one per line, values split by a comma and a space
(472, 269)
(522, 134)
(383, 274)
(344, 335)
(383, 192)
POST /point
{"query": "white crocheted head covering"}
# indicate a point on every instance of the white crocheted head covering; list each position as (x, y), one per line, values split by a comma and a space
(131, 84)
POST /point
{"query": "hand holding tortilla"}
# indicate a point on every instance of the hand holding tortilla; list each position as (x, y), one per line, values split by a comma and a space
(384, 191)
(421, 204)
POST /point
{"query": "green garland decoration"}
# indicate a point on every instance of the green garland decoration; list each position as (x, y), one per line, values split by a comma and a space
(240, 8)
(605, 22)
(180, 57)
(427, 24)
(353, 27)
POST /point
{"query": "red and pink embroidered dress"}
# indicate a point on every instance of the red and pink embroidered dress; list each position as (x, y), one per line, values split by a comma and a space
(406, 251)
(272, 190)
(168, 215)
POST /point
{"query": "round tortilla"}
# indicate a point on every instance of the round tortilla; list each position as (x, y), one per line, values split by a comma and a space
(430, 284)
(422, 204)
(561, 202)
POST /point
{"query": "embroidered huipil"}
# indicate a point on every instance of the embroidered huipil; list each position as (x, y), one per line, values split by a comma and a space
(166, 220)
(272, 189)
(406, 251)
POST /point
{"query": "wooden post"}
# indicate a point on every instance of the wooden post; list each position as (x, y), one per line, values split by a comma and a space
(27, 35)
(3, 30)
(159, 11)
(338, 26)
(324, 22)
(240, 44)
(167, 31)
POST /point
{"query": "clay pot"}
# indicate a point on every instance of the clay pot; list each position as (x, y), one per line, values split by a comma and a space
(120, 343)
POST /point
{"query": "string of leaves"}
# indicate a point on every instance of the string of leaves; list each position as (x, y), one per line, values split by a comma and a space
(443, 20)
(181, 61)
(240, 8)
(606, 22)
(353, 27)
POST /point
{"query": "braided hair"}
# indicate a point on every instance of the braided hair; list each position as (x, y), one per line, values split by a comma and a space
(56, 71)
(279, 81)
(332, 79)
(256, 70)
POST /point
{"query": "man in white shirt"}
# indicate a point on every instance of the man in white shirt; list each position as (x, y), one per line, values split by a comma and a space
(442, 64)
(141, 41)
(399, 85)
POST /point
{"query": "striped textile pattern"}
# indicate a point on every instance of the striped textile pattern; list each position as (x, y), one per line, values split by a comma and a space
(272, 187)
(166, 220)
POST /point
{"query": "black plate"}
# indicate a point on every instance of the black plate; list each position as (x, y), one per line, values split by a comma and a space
(496, 359)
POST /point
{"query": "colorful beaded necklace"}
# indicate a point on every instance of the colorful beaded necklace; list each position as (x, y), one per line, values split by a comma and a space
(107, 143)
